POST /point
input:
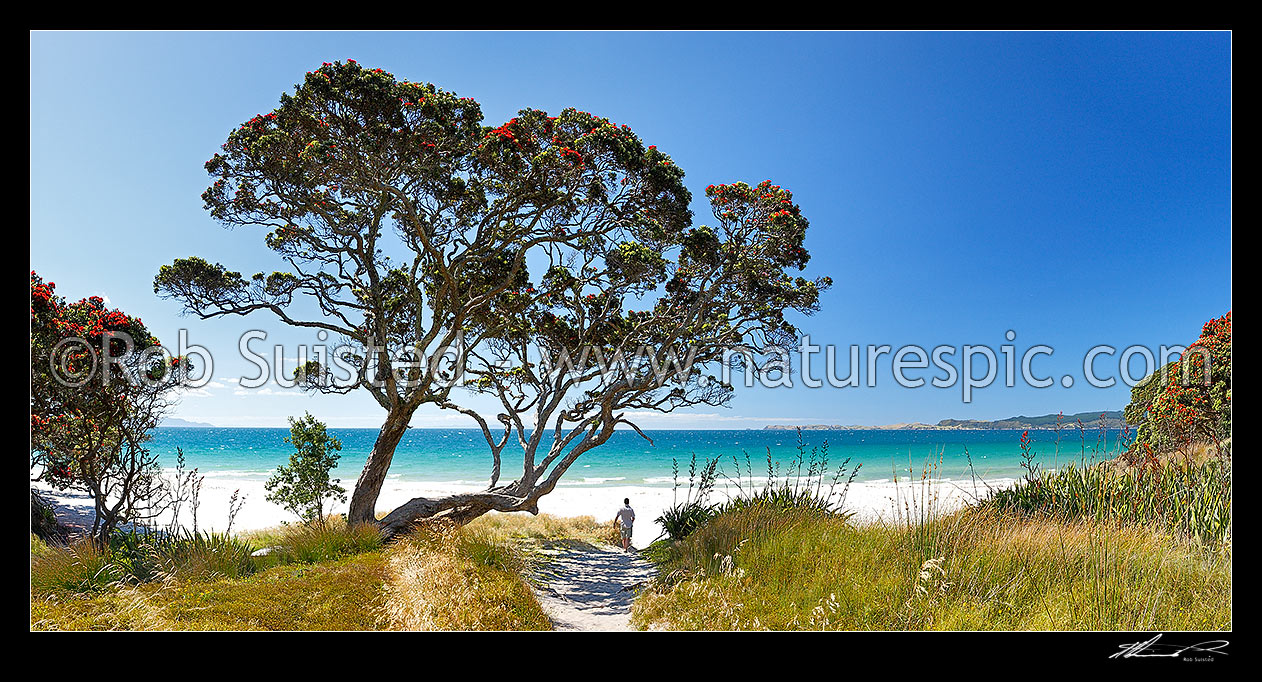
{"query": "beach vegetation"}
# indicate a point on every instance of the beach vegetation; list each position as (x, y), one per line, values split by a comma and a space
(1185, 498)
(327, 576)
(1100, 544)
(303, 486)
(100, 383)
(1187, 402)
(444, 577)
(345, 594)
(185, 555)
(807, 482)
(683, 517)
(80, 566)
(312, 543)
(976, 569)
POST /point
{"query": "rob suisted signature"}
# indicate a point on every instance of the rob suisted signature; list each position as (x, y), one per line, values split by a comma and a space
(1153, 649)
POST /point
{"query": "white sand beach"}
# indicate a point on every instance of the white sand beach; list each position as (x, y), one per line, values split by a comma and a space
(868, 500)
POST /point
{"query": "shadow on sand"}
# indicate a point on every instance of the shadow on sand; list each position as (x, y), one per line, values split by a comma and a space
(589, 587)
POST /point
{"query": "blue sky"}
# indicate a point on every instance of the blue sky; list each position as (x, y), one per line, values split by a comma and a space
(1074, 188)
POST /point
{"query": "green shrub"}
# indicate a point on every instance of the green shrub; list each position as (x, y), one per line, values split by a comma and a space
(303, 485)
(204, 556)
(184, 555)
(682, 518)
(135, 554)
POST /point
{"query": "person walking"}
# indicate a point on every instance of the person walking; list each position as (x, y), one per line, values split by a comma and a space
(625, 519)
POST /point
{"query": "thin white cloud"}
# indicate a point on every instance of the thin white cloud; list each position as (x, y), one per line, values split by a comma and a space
(268, 391)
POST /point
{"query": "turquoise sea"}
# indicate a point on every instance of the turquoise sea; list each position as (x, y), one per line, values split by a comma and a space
(460, 456)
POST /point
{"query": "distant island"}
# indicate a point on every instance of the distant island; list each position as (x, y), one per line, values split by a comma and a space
(1112, 420)
(176, 421)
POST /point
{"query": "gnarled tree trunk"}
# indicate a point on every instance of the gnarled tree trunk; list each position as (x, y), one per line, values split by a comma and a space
(518, 496)
(460, 508)
(368, 487)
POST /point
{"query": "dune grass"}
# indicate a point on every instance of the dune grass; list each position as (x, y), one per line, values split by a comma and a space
(318, 577)
(344, 594)
(310, 543)
(547, 527)
(972, 570)
(1105, 545)
(470, 578)
(80, 566)
(339, 595)
(135, 557)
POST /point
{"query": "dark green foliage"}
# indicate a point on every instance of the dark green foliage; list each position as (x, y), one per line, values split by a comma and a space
(1180, 497)
(682, 518)
(1187, 402)
(679, 521)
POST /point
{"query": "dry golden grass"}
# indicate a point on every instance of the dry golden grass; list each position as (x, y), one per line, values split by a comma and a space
(332, 578)
(445, 578)
(338, 595)
(547, 527)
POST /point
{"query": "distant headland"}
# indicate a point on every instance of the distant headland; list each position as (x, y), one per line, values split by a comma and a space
(176, 421)
(1112, 420)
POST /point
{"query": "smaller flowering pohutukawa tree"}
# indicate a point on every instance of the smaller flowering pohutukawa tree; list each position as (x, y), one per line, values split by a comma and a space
(100, 382)
(615, 329)
(1188, 401)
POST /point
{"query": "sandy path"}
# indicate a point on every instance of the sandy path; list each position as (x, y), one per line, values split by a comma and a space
(589, 587)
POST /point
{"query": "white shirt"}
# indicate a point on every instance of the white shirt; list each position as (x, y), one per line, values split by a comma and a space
(626, 515)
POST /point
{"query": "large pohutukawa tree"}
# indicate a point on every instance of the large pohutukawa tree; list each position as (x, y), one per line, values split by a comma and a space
(616, 329)
(400, 216)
